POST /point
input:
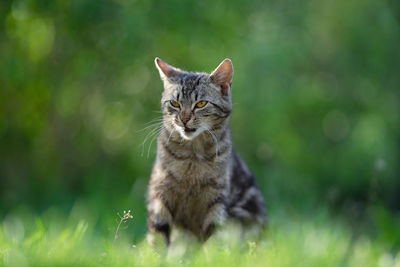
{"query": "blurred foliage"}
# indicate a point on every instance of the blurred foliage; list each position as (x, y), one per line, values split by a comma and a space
(316, 93)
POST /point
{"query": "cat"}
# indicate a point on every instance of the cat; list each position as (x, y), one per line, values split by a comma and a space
(198, 180)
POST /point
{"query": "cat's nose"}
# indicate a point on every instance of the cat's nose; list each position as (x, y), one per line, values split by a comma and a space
(184, 118)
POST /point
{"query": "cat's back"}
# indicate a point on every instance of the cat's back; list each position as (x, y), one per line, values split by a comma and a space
(246, 202)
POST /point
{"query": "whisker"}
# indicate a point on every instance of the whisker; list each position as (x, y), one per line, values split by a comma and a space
(149, 126)
(152, 123)
(152, 140)
(155, 119)
(149, 134)
(173, 130)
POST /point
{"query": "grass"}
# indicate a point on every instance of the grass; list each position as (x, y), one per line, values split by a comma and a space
(317, 240)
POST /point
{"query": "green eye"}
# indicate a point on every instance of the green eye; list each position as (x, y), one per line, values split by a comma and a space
(201, 104)
(175, 104)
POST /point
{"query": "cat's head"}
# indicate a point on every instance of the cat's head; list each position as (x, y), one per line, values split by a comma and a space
(193, 103)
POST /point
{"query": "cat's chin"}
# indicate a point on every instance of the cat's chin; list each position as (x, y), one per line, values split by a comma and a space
(189, 134)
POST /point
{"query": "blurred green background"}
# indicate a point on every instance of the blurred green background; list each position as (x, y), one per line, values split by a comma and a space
(316, 113)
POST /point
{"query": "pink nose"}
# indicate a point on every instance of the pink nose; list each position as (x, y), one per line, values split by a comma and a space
(184, 118)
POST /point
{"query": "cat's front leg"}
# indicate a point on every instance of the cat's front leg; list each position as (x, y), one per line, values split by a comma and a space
(215, 216)
(159, 221)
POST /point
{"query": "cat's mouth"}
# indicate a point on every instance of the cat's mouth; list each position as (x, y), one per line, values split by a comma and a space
(189, 130)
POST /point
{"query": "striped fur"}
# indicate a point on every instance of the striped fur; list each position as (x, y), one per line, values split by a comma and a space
(197, 179)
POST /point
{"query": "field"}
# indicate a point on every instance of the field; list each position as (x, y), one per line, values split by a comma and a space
(316, 118)
(317, 240)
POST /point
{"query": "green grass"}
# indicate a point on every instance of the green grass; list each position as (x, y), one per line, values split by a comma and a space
(317, 240)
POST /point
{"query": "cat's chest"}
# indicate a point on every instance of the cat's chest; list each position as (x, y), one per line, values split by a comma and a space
(190, 185)
(194, 169)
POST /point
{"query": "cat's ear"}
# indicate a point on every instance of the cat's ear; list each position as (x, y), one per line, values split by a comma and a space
(166, 71)
(222, 76)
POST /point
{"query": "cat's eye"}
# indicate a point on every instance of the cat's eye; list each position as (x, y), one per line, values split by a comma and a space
(201, 104)
(175, 104)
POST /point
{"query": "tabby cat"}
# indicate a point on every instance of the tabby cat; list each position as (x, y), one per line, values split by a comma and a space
(198, 180)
